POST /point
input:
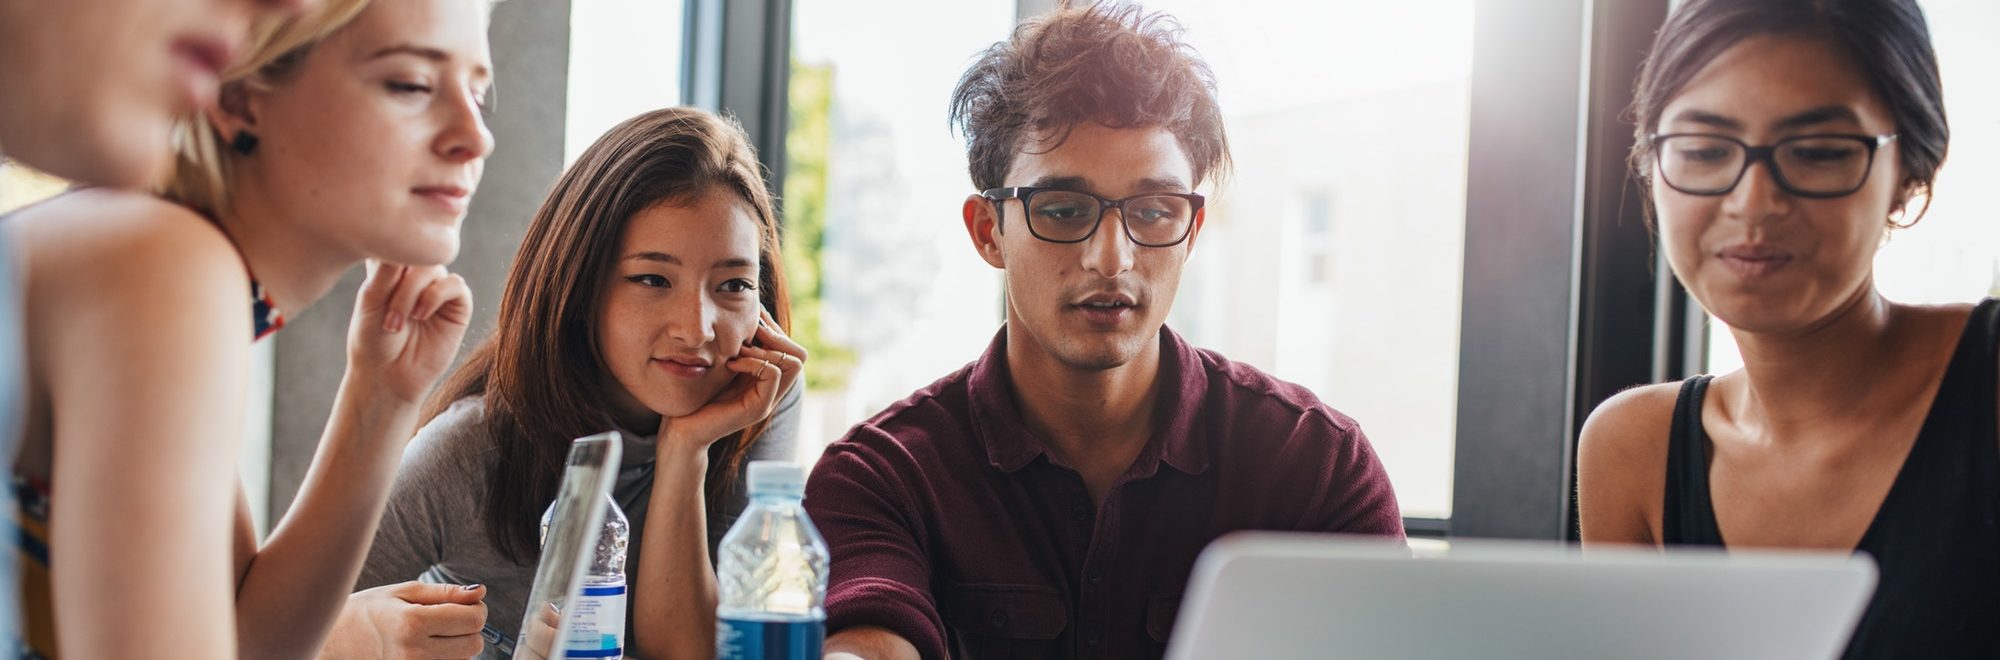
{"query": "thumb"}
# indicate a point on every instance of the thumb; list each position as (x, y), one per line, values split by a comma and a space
(420, 593)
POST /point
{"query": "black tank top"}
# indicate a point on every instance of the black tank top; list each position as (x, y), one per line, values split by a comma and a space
(1936, 537)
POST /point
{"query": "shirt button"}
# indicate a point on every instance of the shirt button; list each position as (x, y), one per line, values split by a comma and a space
(1080, 513)
(999, 619)
(1092, 638)
(1096, 577)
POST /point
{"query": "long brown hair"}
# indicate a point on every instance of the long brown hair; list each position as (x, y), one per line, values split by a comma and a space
(541, 371)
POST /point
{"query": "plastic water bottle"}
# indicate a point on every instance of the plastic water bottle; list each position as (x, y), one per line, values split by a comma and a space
(772, 573)
(596, 620)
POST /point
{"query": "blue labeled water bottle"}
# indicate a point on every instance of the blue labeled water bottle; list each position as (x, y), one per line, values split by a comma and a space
(596, 621)
(771, 572)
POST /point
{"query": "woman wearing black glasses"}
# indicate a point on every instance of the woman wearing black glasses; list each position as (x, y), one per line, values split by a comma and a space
(1780, 141)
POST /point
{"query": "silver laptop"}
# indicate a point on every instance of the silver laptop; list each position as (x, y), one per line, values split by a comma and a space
(1276, 595)
(568, 549)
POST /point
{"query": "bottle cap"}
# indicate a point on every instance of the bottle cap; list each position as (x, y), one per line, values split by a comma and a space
(776, 478)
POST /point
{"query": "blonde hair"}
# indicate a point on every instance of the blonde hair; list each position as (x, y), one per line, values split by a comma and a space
(202, 159)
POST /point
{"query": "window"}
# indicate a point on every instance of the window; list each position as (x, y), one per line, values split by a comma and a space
(1333, 255)
(887, 291)
(1953, 254)
(20, 186)
(1331, 258)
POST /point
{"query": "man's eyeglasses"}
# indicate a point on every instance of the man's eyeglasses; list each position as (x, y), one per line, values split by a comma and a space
(1815, 166)
(1072, 216)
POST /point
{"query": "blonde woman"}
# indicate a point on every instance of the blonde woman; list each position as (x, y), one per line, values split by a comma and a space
(99, 115)
(352, 133)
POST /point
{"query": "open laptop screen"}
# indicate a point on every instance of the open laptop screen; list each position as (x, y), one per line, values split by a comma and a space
(1276, 596)
(571, 541)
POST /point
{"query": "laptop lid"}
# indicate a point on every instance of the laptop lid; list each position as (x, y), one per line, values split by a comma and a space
(1279, 595)
(570, 544)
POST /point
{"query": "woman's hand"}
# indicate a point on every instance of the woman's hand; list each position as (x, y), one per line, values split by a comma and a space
(407, 326)
(539, 638)
(765, 371)
(410, 620)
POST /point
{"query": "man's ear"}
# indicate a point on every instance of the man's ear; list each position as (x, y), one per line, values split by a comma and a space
(233, 113)
(1195, 231)
(982, 225)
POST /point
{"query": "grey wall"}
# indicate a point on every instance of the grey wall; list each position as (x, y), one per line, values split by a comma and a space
(530, 41)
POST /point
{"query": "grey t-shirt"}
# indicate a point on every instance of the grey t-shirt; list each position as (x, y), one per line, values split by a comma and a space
(433, 529)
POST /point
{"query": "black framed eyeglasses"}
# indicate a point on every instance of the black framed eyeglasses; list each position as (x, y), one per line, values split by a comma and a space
(1059, 215)
(1815, 166)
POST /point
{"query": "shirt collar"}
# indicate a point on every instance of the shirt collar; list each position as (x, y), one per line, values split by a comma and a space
(1010, 446)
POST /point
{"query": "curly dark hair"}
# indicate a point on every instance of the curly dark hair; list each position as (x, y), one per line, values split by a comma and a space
(1109, 64)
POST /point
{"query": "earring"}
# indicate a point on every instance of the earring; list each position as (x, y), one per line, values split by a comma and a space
(244, 143)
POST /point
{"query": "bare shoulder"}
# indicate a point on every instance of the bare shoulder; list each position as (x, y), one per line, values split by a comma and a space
(108, 219)
(1633, 422)
(123, 247)
(1621, 465)
(109, 268)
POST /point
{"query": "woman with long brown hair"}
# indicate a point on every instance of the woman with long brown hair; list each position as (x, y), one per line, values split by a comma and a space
(647, 296)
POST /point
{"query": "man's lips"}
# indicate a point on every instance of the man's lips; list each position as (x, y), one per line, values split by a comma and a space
(1107, 309)
(1106, 300)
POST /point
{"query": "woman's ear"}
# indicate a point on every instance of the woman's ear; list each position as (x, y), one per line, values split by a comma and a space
(233, 116)
(1900, 215)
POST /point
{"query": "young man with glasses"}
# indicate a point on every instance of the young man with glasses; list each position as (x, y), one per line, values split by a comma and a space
(1050, 499)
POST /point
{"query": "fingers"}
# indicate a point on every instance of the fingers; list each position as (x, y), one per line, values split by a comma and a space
(382, 281)
(405, 294)
(450, 619)
(456, 646)
(787, 366)
(471, 594)
(435, 620)
(766, 375)
(540, 632)
(757, 363)
(773, 337)
(426, 593)
(402, 302)
(788, 355)
(448, 297)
